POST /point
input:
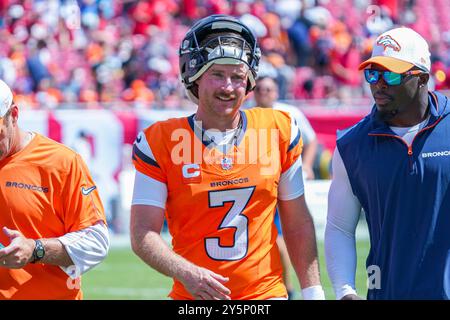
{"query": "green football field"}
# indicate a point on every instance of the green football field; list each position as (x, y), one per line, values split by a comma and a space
(124, 276)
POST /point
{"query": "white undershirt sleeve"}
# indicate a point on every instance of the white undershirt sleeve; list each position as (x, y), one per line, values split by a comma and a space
(87, 248)
(149, 191)
(291, 182)
(343, 215)
(308, 133)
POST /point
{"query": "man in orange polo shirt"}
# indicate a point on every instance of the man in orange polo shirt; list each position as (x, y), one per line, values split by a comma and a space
(52, 220)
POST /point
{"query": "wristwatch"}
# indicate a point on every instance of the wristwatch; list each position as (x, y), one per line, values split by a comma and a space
(38, 252)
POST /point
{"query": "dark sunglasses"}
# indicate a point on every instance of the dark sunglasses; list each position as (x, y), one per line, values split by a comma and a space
(391, 78)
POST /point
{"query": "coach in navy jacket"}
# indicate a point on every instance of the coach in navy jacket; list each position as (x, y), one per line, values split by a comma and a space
(395, 165)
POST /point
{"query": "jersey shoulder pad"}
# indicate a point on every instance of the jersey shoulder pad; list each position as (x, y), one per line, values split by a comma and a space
(151, 143)
(287, 125)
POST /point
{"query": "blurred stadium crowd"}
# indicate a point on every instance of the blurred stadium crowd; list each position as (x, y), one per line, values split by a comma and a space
(98, 53)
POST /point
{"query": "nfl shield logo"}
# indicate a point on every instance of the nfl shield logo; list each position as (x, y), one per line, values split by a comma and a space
(227, 163)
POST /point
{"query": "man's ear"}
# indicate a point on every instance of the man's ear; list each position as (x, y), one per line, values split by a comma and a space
(14, 113)
(423, 79)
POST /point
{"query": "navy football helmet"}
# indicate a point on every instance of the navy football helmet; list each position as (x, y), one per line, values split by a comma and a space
(196, 57)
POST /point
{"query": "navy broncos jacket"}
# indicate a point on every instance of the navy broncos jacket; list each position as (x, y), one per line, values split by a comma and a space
(405, 193)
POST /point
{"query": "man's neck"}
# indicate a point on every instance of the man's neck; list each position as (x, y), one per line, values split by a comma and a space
(25, 138)
(418, 112)
(265, 105)
(219, 123)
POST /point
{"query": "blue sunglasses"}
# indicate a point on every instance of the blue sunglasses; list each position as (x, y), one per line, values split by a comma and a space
(391, 78)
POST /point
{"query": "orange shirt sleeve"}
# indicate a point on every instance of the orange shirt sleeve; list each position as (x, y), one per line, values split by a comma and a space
(291, 142)
(81, 200)
(145, 154)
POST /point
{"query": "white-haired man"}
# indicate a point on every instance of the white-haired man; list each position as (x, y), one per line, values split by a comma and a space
(52, 218)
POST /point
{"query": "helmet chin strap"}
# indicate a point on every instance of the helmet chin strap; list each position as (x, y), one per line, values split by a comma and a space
(191, 96)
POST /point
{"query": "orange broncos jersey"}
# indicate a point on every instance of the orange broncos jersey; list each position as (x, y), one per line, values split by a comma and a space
(41, 196)
(220, 205)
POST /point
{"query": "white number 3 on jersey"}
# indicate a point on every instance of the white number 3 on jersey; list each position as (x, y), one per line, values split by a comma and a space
(233, 219)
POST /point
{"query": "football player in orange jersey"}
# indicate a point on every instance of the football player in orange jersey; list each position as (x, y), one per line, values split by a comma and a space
(218, 175)
(52, 219)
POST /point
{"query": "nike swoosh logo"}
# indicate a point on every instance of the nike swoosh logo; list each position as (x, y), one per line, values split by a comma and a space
(138, 139)
(85, 192)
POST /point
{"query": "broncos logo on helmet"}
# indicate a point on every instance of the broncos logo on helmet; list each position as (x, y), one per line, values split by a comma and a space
(196, 56)
(388, 42)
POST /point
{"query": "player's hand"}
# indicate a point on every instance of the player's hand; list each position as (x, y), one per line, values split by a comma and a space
(351, 297)
(18, 253)
(203, 284)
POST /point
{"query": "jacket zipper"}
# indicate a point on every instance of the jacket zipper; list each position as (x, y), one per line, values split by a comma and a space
(408, 146)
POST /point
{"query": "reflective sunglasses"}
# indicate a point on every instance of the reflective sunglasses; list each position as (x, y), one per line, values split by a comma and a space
(391, 78)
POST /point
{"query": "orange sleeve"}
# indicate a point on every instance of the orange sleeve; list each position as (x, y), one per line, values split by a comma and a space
(145, 155)
(291, 142)
(81, 200)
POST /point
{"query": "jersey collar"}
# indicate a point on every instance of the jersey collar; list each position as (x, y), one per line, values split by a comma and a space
(211, 144)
